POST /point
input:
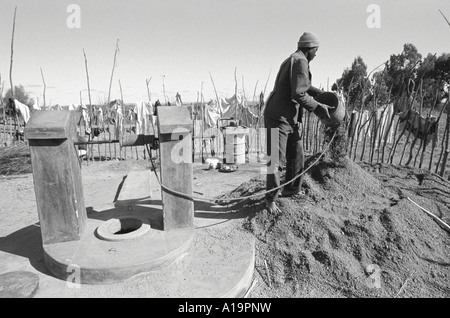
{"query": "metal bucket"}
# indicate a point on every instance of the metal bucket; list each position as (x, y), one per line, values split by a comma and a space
(337, 114)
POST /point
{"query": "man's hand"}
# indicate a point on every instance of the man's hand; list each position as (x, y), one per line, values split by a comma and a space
(324, 109)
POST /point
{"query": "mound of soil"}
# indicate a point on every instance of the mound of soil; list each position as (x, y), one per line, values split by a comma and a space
(353, 233)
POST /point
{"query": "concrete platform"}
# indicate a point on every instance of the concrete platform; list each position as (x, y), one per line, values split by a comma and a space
(97, 261)
(215, 260)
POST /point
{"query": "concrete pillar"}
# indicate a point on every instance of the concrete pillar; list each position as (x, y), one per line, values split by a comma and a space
(57, 175)
(175, 147)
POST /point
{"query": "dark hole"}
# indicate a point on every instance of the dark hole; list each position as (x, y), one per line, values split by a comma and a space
(128, 226)
(124, 231)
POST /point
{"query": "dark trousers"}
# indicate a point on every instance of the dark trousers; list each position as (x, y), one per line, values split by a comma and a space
(287, 151)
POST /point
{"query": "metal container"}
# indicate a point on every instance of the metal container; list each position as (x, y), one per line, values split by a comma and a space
(337, 114)
(235, 144)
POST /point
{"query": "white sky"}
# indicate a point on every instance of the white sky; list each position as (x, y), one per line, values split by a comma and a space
(185, 40)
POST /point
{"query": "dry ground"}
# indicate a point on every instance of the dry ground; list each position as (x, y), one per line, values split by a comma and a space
(353, 233)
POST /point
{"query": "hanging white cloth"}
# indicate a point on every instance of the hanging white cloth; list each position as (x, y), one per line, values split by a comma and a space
(142, 111)
(86, 118)
(115, 108)
(23, 110)
(212, 113)
(100, 115)
(36, 105)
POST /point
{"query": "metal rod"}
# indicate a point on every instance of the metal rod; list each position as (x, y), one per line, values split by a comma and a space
(98, 142)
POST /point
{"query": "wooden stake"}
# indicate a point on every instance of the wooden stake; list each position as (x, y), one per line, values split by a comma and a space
(202, 143)
(394, 147)
(254, 92)
(447, 150)
(164, 90)
(12, 53)
(10, 131)
(265, 86)
(382, 136)
(358, 122)
(90, 102)
(376, 127)
(317, 134)
(147, 82)
(45, 86)
(423, 142)
(365, 136)
(433, 146)
(391, 121)
(3, 108)
(217, 96)
(121, 132)
(235, 93)
(435, 139)
(416, 134)
(117, 49)
(11, 67)
(401, 135)
(246, 121)
(404, 147)
(438, 163)
(448, 22)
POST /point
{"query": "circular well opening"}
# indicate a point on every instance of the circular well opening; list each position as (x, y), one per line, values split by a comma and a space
(122, 229)
(124, 226)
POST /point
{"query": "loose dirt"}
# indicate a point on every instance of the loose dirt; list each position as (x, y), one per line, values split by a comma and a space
(351, 233)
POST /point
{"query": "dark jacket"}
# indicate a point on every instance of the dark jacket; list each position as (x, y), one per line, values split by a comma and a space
(292, 91)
